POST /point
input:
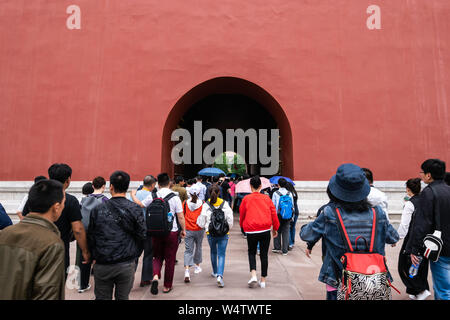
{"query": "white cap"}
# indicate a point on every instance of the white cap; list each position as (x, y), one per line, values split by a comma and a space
(195, 189)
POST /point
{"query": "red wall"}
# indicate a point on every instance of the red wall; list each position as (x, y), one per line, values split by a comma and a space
(98, 98)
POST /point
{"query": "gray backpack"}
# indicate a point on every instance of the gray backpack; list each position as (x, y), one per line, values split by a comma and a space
(87, 204)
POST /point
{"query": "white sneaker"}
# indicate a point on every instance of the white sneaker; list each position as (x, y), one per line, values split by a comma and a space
(197, 269)
(423, 295)
(85, 289)
(252, 282)
(262, 284)
(412, 297)
(187, 277)
(220, 282)
(213, 275)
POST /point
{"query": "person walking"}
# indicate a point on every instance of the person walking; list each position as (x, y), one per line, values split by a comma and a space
(290, 187)
(23, 203)
(99, 185)
(69, 223)
(116, 233)
(416, 287)
(179, 187)
(192, 208)
(149, 185)
(165, 247)
(432, 214)
(217, 218)
(257, 217)
(32, 252)
(281, 242)
(376, 197)
(348, 190)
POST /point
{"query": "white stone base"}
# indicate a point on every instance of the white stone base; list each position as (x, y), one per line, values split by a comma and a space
(312, 195)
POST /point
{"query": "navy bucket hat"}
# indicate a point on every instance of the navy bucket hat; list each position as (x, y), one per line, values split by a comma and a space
(349, 183)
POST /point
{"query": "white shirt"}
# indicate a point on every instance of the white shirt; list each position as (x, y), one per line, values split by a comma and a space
(408, 210)
(377, 197)
(202, 194)
(204, 218)
(174, 204)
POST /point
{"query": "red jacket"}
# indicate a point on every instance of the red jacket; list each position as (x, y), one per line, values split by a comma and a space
(258, 213)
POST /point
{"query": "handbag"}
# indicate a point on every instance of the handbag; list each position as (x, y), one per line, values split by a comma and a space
(432, 242)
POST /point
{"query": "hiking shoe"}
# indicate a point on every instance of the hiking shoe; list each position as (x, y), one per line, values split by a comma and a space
(423, 295)
(252, 283)
(187, 277)
(262, 284)
(220, 282)
(197, 269)
(85, 289)
(154, 287)
(276, 251)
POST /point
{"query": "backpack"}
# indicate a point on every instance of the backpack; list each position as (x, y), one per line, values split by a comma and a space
(157, 216)
(87, 204)
(285, 206)
(218, 227)
(365, 273)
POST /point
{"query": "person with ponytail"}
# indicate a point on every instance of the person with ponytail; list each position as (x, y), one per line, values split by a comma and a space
(194, 234)
(417, 287)
(218, 245)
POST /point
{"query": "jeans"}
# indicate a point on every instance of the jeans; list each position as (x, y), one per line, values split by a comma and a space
(292, 230)
(281, 242)
(218, 247)
(193, 242)
(108, 276)
(440, 271)
(253, 240)
(332, 295)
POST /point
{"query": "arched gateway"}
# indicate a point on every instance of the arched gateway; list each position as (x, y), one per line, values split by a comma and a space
(227, 103)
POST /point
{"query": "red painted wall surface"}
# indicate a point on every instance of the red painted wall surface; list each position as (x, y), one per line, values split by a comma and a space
(98, 98)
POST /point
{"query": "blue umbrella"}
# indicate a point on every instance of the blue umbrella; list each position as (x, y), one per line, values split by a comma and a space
(210, 172)
(274, 180)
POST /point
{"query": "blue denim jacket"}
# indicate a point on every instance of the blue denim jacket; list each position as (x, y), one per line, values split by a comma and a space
(356, 224)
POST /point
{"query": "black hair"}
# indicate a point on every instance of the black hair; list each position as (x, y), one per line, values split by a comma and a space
(87, 188)
(290, 187)
(60, 172)
(98, 182)
(39, 178)
(120, 180)
(369, 174)
(255, 182)
(163, 179)
(199, 178)
(434, 166)
(447, 178)
(282, 182)
(414, 185)
(149, 181)
(191, 181)
(178, 179)
(359, 206)
(214, 192)
(44, 194)
(215, 179)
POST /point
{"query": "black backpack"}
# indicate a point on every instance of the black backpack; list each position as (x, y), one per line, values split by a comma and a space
(158, 224)
(218, 227)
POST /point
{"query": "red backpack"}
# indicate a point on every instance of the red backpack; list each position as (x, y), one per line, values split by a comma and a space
(365, 273)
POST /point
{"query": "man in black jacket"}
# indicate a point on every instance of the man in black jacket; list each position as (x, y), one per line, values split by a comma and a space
(434, 201)
(116, 233)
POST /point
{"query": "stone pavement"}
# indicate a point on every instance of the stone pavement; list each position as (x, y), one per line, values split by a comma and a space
(291, 277)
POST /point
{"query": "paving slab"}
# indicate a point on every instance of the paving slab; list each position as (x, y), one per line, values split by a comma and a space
(291, 277)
